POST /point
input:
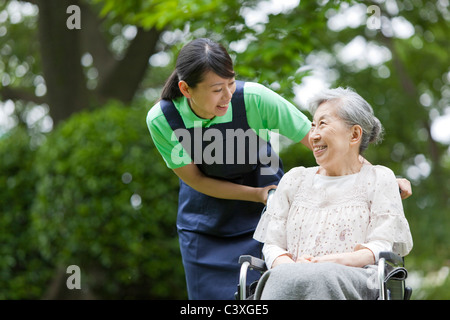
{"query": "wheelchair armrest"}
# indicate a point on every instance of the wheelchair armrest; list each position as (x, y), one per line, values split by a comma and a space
(255, 263)
(391, 267)
(392, 258)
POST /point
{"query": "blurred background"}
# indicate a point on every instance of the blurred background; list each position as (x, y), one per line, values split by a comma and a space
(81, 182)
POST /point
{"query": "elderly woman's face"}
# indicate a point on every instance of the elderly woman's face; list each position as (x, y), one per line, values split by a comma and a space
(331, 140)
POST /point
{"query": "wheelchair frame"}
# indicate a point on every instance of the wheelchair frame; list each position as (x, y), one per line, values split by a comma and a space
(391, 273)
(391, 276)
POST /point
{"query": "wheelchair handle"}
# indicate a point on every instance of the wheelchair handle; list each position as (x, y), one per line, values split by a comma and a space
(270, 195)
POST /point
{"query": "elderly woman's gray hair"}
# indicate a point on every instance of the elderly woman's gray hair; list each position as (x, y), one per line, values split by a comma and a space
(353, 110)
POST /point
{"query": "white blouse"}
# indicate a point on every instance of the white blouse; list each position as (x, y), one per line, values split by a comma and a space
(318, 215)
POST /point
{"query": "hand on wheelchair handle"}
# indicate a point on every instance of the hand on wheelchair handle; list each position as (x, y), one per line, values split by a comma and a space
(268, 192)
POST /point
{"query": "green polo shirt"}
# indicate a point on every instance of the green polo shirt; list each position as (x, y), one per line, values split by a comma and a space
(266, 111)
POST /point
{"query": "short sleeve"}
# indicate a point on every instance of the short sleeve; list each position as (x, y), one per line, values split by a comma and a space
(387, 223)
(165, 140)
(267, 110)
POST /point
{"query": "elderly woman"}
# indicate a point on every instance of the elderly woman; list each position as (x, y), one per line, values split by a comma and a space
(326, 225)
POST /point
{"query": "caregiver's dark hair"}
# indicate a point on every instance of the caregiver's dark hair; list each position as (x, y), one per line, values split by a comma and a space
(194, 60)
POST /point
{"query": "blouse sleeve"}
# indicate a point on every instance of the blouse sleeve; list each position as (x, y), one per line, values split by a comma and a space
(271, 229)
(387, 221)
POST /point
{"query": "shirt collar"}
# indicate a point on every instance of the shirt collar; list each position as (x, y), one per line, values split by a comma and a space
(191, 120)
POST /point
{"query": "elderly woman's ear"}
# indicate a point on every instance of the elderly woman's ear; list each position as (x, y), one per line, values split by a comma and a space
(356, 134)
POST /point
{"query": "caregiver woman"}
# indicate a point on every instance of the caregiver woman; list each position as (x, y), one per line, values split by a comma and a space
(212, 131)
(224, 163)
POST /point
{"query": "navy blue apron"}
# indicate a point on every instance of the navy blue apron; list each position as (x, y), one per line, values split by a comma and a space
(214, 232)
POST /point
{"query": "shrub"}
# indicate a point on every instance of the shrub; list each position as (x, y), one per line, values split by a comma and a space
(23, 271)
(107, 203)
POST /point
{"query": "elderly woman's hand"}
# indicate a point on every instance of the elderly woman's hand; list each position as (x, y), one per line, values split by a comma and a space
(358, 258)
(305, 258)
(284, 258)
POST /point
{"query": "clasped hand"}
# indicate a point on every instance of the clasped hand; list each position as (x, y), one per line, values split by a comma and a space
(306, 258)
(358, 258)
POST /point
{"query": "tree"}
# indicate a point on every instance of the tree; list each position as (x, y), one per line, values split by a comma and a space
(53, 54)
(403, 74)
(57, 58)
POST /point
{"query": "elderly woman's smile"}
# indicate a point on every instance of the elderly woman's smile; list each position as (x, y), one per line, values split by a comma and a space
(318, 149)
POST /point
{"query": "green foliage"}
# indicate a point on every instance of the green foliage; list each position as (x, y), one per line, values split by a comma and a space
(435, 286)
(163, 13)
(296, 32)
(103, 199)
(106, 202)
(23, 270)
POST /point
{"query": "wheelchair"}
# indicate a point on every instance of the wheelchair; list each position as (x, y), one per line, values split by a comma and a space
(391, 275)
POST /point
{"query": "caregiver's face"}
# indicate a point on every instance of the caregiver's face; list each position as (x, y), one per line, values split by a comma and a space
(211, 97)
